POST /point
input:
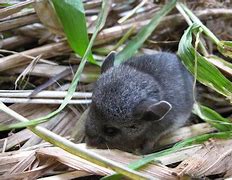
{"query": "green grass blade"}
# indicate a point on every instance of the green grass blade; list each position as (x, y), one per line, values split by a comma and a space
(199, 23)
(212, 117)
(206, 73)
(100, 23)
(5, 4)
(21, 124)
(220, 63)
(143, 34)
(72, 16)
(225, 47)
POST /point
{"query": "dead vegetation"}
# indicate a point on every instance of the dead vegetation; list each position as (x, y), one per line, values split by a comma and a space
(33, 50)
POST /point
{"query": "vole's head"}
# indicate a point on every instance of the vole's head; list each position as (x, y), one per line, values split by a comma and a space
(125, 103)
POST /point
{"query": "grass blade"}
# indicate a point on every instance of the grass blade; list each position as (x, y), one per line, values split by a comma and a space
(143, 34)
(199, 23)
(225, 47)
(220, 63)
(212, 117)
(206, 73)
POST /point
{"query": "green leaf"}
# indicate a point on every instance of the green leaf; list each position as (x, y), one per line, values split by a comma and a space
(212, 117)
(5, 4)
(100, 23)
(225, 47)
(143, 34)
(206, 73)
(220, 63)
(72, 16)
(197, 21)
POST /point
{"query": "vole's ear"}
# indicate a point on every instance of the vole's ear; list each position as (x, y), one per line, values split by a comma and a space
(108, 62)
(153, 111)
(158, 110)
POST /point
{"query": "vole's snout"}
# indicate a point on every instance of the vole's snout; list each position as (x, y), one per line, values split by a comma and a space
(92, 137)
(97, 142)
(93, 141)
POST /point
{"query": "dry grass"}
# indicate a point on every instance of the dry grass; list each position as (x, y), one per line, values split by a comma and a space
(25, 37)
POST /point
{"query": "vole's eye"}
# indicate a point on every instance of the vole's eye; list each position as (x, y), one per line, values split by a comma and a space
(110, 131)
(131, 127)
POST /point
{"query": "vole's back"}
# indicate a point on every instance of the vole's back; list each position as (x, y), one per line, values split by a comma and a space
(173, 78)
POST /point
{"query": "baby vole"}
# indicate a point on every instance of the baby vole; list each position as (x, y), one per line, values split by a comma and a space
(137, 102)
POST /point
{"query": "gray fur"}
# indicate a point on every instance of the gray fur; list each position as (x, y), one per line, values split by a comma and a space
(121, 114)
